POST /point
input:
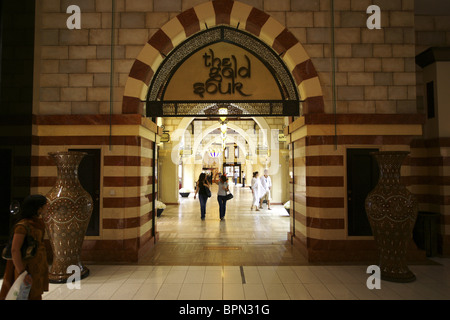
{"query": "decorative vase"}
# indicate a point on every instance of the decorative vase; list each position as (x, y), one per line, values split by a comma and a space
(392, 212)
(184, 194)
(159, 212)
(67, 217)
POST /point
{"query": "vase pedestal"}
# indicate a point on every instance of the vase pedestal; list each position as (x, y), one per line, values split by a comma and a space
(67, 218)
(392, 211)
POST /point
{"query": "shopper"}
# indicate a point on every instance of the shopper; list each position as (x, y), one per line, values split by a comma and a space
(266, 183)
(203, 189)
(221, 195)
(256, 190)
(37, 267)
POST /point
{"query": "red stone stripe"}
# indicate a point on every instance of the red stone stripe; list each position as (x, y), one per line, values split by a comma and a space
(428, 180)
(222, 10)
(122, 182)
(314, 105)
(88, 140)
(434, 199)
(324, 161)
(284, 41)
(431, 143)
(430, 161)
(304, 71)
(321, 202)
(121, 202)
(42, 182)
(321, 223)
(98, 119)
(355, 140)
(122, 161)
(132, 105)
(256, 21)
(325, 181)
(161, 42)
(365, 119)
(141, 71)
(189, 21)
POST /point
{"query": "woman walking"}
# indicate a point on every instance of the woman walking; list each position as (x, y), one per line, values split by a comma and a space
(202, 188)
(37, 266)
(256, 190)
(221, 195)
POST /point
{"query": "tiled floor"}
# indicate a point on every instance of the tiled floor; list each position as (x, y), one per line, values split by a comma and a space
(136, 282)
(245, 237)
(244, 257)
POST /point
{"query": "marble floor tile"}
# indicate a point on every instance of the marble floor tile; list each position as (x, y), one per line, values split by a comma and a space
(244, 257)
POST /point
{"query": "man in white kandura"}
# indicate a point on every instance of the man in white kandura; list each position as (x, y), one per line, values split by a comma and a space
(266, 183)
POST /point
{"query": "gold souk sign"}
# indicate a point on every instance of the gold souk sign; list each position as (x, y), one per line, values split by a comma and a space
(224, 75)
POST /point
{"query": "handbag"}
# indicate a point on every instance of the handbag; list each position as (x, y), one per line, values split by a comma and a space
(229, 196)
(29, 246)
(208, 192)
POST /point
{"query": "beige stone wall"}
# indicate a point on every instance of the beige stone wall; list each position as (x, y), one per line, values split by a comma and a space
(374, 68)
(431, 31)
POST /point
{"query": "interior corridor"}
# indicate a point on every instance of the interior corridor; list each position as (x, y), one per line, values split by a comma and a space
(244, 237)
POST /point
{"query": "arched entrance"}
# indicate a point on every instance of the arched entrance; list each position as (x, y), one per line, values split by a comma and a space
(220, 25)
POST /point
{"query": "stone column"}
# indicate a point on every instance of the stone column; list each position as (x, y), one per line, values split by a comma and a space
(168, 176)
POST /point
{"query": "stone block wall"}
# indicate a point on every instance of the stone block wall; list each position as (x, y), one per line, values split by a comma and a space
(374, 68)
(374, 71)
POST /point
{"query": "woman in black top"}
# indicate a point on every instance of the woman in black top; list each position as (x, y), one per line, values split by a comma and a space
(200, 188)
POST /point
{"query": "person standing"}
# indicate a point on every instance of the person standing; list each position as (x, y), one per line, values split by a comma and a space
(236, 175)
(243, 179)
(201, 189)
(221, 195)
(37, 267)
(256, 190)
(266, 183)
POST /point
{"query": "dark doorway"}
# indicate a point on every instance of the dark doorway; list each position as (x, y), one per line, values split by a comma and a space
(89, 176)
(362, 177)
(5, 191)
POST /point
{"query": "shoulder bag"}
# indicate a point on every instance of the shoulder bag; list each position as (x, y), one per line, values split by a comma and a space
(229, 196)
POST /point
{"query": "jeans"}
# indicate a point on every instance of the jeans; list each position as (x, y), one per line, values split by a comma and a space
(203, 198)
(222, 205)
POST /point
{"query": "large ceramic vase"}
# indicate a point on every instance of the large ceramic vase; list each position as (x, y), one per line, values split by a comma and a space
(392, 212)
(67, 218)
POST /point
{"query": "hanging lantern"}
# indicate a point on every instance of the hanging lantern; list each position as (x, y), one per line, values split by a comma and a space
(224, 128)
(223, 112)
(214, 153)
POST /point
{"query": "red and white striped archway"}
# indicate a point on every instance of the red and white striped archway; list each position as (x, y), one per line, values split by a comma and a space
(215, 13)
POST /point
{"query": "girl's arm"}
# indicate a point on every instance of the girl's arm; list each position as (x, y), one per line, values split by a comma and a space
(17, 255)
(196, 190)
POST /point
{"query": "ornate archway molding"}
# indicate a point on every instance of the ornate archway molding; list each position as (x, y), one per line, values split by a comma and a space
(228, 13)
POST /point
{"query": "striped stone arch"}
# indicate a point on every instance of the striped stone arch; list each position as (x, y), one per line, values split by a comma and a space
(215, 13)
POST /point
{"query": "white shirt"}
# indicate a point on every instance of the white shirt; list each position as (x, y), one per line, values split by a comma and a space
(266, 183)
(257, 188)
(222, 186)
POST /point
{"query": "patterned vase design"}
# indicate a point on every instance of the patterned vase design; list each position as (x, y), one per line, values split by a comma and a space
(392, 212)
(67, 218)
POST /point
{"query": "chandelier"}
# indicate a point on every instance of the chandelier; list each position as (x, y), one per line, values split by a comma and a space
(214, 153)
